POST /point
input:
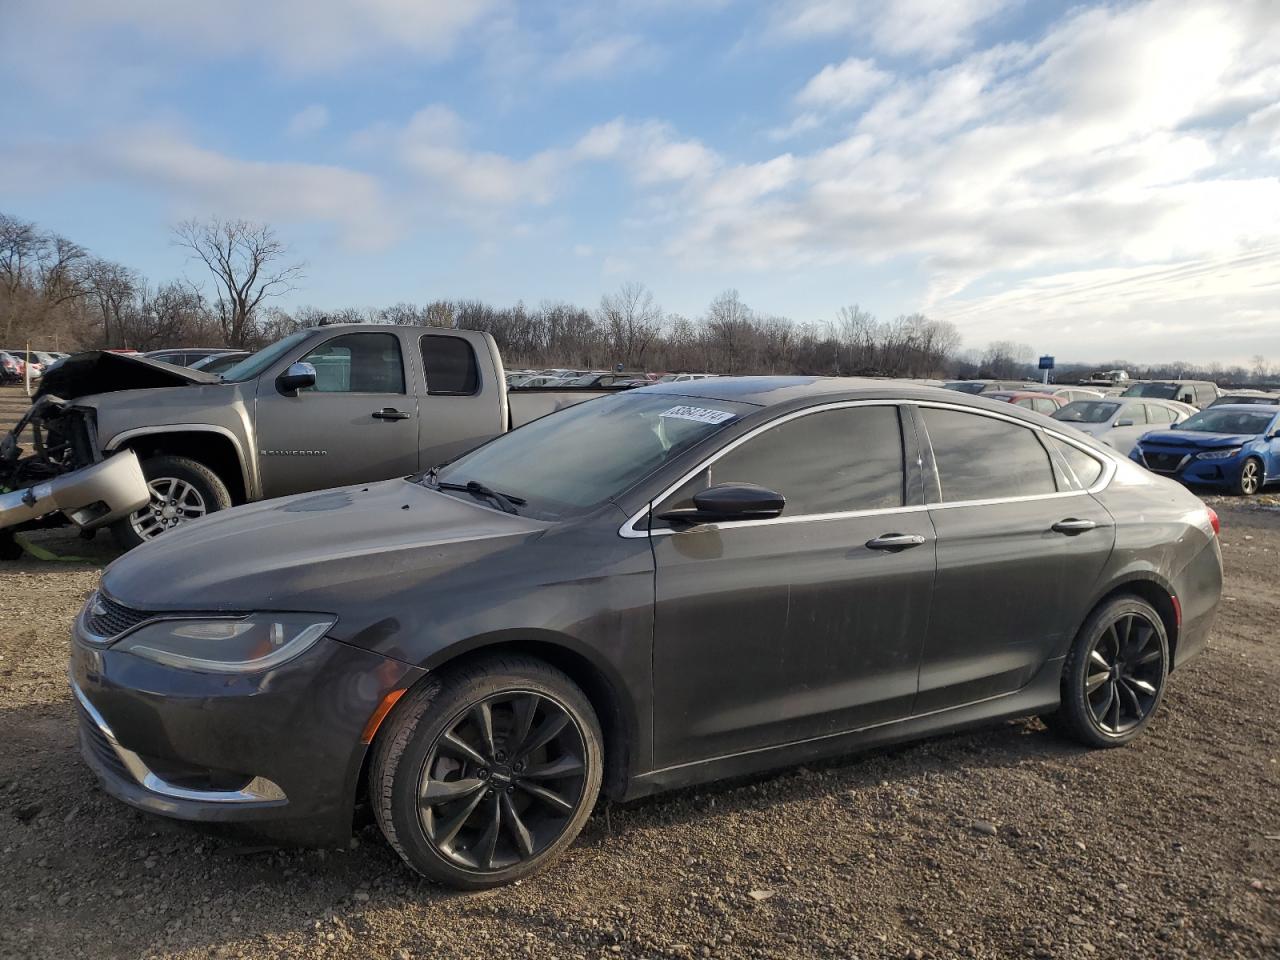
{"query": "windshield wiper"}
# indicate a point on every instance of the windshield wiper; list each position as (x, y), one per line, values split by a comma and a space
(505, 501)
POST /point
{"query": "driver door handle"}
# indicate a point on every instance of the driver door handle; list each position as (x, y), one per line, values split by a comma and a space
(895, 541)
(1071, 526)
(390, 413)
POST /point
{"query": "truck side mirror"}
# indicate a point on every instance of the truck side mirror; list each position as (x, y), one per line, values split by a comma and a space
(299, 376)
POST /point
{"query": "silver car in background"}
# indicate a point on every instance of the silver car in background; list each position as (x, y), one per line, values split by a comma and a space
(1120, 421)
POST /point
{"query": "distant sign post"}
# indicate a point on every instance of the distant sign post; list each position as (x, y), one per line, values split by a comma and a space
(1046, 364)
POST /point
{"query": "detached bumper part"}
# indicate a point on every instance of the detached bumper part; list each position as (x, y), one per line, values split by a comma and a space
(90, 497)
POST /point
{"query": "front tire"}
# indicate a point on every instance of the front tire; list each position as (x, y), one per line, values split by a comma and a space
(1250, 479)
(487, 773)
(1114, 677)
(182, 490)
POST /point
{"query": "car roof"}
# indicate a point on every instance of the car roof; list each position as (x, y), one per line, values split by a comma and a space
(1249, 407)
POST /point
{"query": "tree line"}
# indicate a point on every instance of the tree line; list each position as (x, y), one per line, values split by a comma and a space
(56, 295)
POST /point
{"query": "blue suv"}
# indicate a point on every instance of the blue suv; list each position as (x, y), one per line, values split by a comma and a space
(1230, 446)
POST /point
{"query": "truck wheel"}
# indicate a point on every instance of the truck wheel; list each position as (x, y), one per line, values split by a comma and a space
(182, 490)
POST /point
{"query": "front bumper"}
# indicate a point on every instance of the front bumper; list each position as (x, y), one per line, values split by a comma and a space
(90, 497)
(280, 751)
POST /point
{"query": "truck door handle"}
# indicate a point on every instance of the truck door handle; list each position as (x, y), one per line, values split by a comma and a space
(390, 413)
(1071, 526)
(895, 541)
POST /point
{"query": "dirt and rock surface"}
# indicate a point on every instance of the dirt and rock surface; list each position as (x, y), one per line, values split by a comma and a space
(1000, 842)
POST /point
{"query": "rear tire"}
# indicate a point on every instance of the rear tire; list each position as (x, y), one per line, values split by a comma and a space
(198, 491)
(1114, 677)
(485, 774)
(1250, 479)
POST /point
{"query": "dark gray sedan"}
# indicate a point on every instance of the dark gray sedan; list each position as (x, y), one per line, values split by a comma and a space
(654, 589)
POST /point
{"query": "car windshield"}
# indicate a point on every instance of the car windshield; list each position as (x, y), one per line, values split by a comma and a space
(1161, 391)
(1217, 420)
(1087, 411)
(572, 461)
(252, 365)
(966, 386)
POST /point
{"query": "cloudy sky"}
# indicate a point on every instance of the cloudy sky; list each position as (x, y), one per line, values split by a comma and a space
(1095, 179)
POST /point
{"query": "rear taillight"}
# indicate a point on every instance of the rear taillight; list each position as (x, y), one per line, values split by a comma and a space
(1213, 520)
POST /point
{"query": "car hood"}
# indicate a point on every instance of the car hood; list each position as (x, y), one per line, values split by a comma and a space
(310, 551)
(1198, 441)
(99, 371)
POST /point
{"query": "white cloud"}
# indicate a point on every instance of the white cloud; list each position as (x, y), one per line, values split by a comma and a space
(307, 121)
(596, 57)
(927, 28)
(839, 86)
(1128, 137)
(650, 150)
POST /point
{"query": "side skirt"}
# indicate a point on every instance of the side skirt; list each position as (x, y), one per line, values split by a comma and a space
(1041, 695)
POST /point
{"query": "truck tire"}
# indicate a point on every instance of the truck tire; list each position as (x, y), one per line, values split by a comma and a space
(182, 490)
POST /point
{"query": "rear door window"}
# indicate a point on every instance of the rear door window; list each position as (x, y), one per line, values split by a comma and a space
(833, 461)
(982, 458)
(450, 365)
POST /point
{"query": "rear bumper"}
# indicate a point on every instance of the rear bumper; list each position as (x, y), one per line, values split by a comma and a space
(280, 752)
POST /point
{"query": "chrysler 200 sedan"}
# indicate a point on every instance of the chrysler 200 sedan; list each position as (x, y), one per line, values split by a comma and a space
(654, 589)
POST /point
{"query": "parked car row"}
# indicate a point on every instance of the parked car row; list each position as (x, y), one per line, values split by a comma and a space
(15, 364)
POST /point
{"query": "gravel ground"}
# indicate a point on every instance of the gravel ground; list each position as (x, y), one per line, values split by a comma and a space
(1001, 842)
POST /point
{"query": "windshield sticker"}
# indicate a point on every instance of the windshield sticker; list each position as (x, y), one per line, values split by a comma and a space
(697, 414)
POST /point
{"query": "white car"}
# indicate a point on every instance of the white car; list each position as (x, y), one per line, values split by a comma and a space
(1120, 421)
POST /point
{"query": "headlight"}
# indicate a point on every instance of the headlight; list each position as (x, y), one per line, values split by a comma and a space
(249, 644)
(1218, 454)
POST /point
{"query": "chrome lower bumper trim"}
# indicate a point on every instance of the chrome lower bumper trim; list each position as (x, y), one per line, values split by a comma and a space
(257, 790)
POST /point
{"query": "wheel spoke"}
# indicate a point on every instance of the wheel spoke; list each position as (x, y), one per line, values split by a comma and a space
(443, 791)
(1099, 660)
(1100, 711)
(550, 728)
(1126, 644)
(1094, 680)
(548, 797)
(452, 743)
(1149, 657)
(1115, 708)
(482, 716)
(566, 766)
(515, 826)
(1131, 700)
(445, 833)
(523, 709)
(1142, 686)
(484, 846)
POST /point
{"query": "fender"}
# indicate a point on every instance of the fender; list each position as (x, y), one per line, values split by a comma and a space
(248, 465)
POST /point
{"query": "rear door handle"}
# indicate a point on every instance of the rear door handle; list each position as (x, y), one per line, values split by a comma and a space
(1071, 526)
(895, 541)
(390, 413)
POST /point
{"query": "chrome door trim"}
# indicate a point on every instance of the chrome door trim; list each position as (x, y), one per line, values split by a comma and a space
(1104, 478)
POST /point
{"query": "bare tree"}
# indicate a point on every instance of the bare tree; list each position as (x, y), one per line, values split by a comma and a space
(632, 321)
(248, 263)
(112, 288)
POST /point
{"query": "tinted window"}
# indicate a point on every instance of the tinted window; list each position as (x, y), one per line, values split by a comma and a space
(981, 458)
(1087, 470)
(828, 462)
(451, 367)
(358, 363)
(1161, 391)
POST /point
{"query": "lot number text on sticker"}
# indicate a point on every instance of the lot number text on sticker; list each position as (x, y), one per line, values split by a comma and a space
(699, 414)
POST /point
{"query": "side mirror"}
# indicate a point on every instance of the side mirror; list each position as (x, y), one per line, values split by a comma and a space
(729, 501)
(299, 376)
(1126, 422)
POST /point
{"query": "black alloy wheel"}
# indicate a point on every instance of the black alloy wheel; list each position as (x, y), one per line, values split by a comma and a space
(484, 773)
(1114, 677)
(1124, 673)
(503, 781)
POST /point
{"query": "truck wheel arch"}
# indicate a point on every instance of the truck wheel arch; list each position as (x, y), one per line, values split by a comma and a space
(214, 447)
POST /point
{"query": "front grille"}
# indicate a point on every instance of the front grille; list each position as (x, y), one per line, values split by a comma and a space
(1164, 462)
(106, 618)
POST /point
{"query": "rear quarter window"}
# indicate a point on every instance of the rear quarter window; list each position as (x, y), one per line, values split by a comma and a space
(450, 365)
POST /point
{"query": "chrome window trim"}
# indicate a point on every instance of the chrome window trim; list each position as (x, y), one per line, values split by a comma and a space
(257, 790)
(1109, 468)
